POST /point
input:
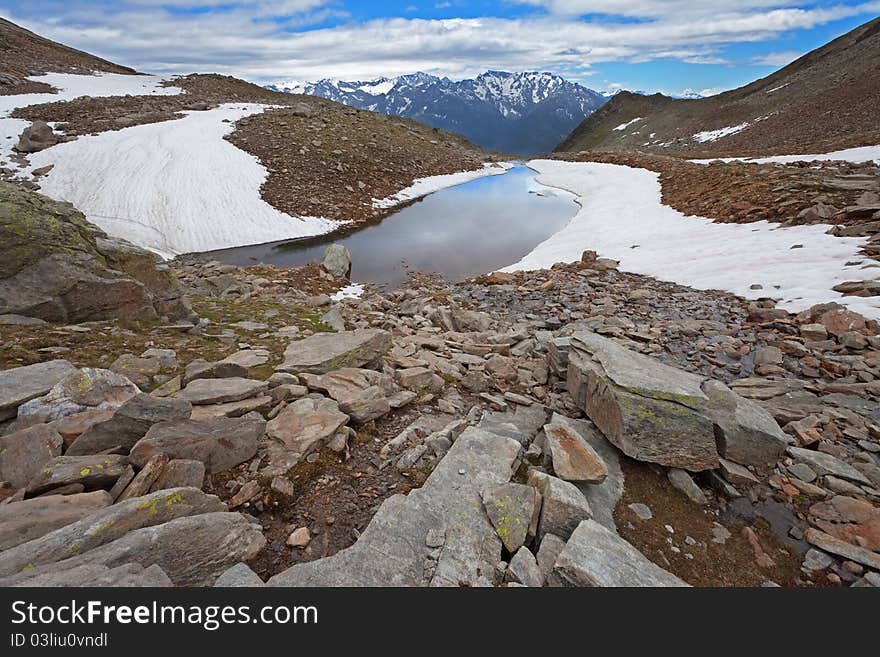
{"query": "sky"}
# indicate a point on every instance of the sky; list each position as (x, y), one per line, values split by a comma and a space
(670, 46)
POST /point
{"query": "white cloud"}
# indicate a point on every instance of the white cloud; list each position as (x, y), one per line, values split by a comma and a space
(778, 59)
(229, 39)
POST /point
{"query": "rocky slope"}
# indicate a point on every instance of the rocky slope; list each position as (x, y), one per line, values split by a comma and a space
(827, 100)
(524, 113)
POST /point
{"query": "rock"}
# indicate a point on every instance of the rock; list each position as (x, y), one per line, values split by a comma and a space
(144, 480)
(220, 444)
(511, 509)
(563, 506)
(299, 538)
(839, 321)
(369, 405)
(202, 369)
(849, 519)
(192, 550)
(523, 569)
(23, 454)
(573, 458)
(79, 391)
(657, 413)
(683, 482)
(221, 391)
(245, 494)
(419, 379)
(737, 474)
(334, 319)
(825, 464)
(813, 332)
(107, 525)
(337, 261)
(233, 409)
(238, 576)
(843, 549)
(596, 556)
(393, 550)
(325, 352)
(20, 320)
(167, 357)
(93, 472)
(21, 384)
(815, 560)
(36, 137)
(73, 426)
(305, 423)
(129, 424)
(180, 473)
(643, 511)
(551, 547)
(59, 267)
(26, 520)
(246, 358)
(139, 371)
(99, 576)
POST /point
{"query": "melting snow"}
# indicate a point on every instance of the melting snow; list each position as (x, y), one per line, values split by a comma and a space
(624, 126)
(622, 217)
(353, 291)
(714, 135)
(173, 187)
(859, 154)
(424, 186)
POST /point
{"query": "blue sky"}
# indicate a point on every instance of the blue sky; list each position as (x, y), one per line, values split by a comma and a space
(650, 45)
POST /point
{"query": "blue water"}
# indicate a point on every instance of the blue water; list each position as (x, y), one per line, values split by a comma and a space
(458, 232)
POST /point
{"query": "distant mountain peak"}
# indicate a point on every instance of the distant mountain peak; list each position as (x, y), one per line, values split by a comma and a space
(519, 112)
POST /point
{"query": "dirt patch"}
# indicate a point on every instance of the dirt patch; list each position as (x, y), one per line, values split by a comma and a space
(26, 87)
(705, 562)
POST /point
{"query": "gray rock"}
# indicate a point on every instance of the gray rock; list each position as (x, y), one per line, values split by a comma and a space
(180, 473)
(26, 520)
(825, 464)
(816, 560)
(24, 453)
(573, 457)
(99, 576)
(246, 358)
(306, 423)
(92, 472)
(192, 550)
(643, 511)
(220, 444)
(563, 506)
(129, 424)
(523, 569)
(36, 137)
(369, 405)
(221, 391)
(325, 352)
(337, 261)
(79, 391)
(511, 509)
(596, 556)
(21, 384)
(551, 547)
(107, 525)
(683, 482)
(239, 576)
(392, 551)
(202, 369)
(843, 549)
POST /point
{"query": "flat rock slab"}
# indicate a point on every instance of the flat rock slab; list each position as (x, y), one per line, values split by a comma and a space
(81, 390)
(21, 384)
(843, 549)
(202, 369)
(248, 358)
(99, 576)
(91, 472)
(107, 525)
(232, 409)
(573, 457)
(192, 550)
(596, 556)
(129, 424)
(826, 464)
(222, 391)
(240, 575)
(661, 414)
(447, 513)
(220, 444)
(512, 511)
(325, 352)
(25, 452)
(26, 520)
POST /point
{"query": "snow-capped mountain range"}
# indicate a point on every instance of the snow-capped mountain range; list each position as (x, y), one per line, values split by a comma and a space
(525, 113)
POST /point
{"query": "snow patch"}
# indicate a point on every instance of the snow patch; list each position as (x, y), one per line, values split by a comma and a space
(859, 154)
(624, 126)
(353, 291)
(173, 187)
(774, 89)
(424, 186)
(622, 217)
(715, 135)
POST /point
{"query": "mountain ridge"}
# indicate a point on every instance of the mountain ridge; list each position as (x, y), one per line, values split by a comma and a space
(510, 112)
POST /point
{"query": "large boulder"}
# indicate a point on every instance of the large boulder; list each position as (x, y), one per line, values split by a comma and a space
(325, 352)
(596, 556)
(79, 391)
(129, 424)
(438, 535)
(59, 267)
(220, 444)
(24, 453)
(305, 423)
(90, 472)
(657, 413)
(99, 576)
(21, 384)
(26, 520)
(337, 261)
(36, 137)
